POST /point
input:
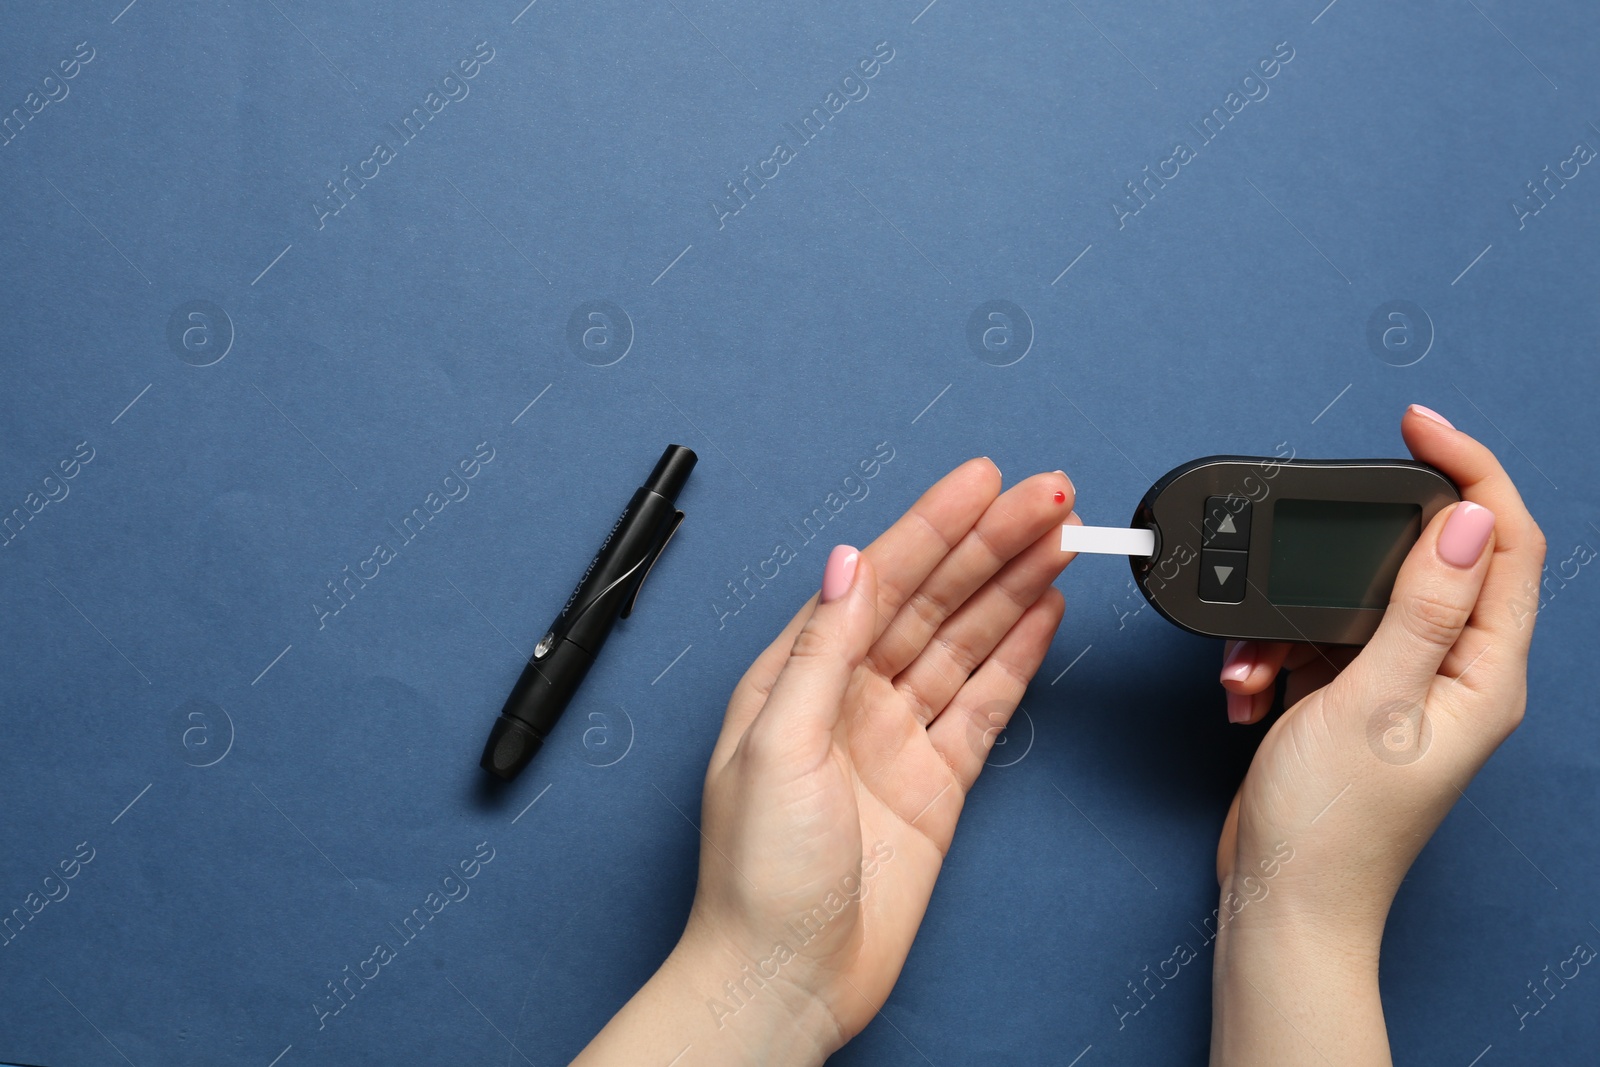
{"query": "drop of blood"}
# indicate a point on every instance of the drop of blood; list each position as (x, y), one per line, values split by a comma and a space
(1061, 498)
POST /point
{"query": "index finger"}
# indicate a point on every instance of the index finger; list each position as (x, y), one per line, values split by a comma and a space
(903, 556)
(908, 551)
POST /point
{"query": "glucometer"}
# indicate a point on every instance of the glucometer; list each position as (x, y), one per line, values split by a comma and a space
(1275, 549)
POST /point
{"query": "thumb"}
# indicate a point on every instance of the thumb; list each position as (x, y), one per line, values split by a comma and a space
(1228, 842)
(1433, 598)
(805, 702)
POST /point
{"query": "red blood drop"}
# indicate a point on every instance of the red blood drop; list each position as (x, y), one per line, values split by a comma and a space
(1061, 498)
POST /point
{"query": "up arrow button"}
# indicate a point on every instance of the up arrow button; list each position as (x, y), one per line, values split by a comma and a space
(1226, 523)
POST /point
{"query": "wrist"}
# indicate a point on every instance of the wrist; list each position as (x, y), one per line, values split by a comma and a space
(1291, 956)
(1292, 985)
(1281, 924)
(701, 1009)
(748, 1007)
(1315, 897)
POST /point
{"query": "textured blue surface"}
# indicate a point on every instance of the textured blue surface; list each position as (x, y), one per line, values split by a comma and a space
(267, 788)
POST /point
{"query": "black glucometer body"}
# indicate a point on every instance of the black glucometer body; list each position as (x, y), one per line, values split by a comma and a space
(1283, 549)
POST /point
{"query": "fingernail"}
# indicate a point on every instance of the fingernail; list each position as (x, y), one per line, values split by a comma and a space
(1465, 533)
(1240, 662)
(1429, 413)
(1239, 707)
(841, 568)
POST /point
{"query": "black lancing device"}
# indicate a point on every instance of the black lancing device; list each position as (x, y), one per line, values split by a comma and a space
(607, 591)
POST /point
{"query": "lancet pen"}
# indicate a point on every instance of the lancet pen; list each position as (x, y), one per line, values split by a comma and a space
(607, 591)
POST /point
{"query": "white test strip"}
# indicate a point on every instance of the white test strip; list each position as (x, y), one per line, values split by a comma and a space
(1108, 540)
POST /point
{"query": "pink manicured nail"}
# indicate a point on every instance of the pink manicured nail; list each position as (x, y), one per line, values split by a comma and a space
(1239, 705)
(840, 570)
(1429, 413)
(1465, 533)
(1240, 662)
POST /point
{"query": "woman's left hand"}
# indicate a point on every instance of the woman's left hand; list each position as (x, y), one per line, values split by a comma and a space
(844, 760)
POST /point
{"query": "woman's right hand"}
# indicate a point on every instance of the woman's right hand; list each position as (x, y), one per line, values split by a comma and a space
(1351, 782)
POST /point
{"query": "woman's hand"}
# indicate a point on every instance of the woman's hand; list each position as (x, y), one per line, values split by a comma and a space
(1353, 779)
(843, 764)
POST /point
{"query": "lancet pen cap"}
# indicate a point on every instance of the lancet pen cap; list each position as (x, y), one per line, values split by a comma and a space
(512, 744)
(671, 472)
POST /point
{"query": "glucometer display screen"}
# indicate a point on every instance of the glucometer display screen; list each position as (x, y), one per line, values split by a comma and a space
(1339, 553)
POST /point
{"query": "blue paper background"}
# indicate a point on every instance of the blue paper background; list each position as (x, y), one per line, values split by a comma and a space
(176, 579)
